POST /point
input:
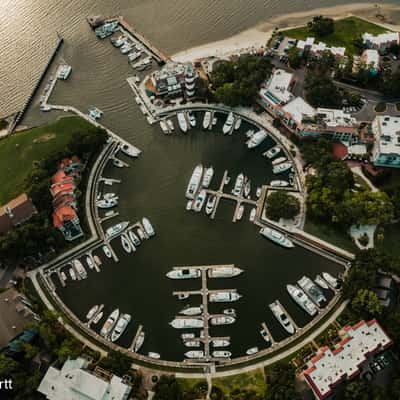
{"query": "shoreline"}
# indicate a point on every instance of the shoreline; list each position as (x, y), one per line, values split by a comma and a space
(258, 36)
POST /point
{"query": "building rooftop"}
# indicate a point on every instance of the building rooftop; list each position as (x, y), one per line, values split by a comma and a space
(371, 58)
(329, 367)
(299, 109)
(278, 85)
(333, 117)
(380, 39)
(320, 47)
(387, 134)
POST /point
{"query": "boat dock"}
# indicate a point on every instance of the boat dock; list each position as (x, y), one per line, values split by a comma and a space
(265, 327)
(95, 315)
(138, 332)
(109, 181)
(288, 315)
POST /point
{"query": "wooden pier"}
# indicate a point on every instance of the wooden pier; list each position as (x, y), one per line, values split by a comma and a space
(135, 339)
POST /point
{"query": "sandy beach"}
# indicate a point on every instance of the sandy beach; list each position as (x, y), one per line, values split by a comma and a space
(258, 36)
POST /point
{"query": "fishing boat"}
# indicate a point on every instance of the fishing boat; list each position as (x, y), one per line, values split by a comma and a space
(191, 273)
(192, 119)
(148, 227)
(80, 269)
(134, 239)
(253, 213)
(194, 182)
(183, 125)
(312, 290)
(212, 200)
(89, 262)
(278, 160)
(220, 343)
(208, 175)
(302, 300)
(189, 205)
(273, 151)
(247, 188)
(321, 282)
(220, 297)
(252, 351)
(276, 237)
(139, 342)
(224, 272)
(110, 323)
(332, 281)
(277, 183)
(238, 123)
(170, 125)
(154, 355)
(107, 251)
(191, 310)
(256, 139)
(195, 354)
(187, 323)
(281, 316)
(221, 354)
(130, 150)
(200, 200)
(265, 336)
(116, 229)
(126, 244)
(228, 123)
(278, 169)
(120, 327)
(237, 190)
(222, 320)
(240, 213)
(92, 312)
(192, 343)
(207, 120)
(249, 133)
(97, 318)
(186, 336)
(229, 311)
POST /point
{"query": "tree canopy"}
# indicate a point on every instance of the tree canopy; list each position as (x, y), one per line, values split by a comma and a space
(321, 26)
(280, 382)
(280, 204)
(321, 91)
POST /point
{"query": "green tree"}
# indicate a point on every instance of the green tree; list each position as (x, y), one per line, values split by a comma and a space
(366, 302)
(280, 204)
(321, 26)
(294, 57)
(321, 91)
(7, 366)
(167, 388)
(117, 362)
(356, 390)
(280, 379)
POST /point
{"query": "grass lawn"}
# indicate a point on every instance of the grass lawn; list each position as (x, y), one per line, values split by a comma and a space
(20, 150)
(390, 244)
(346, 30)
(253, 380)
(330, 234)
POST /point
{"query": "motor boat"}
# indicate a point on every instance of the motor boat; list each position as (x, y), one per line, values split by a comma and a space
(187, 323)
(154, 355)
(139, 342)
(89, 262)
(229, 311)
(183, 125)
(192, 119)
(190, 273)
(282, 318)
(148, 227)
(279, 160)
(302, 300)
(191, 311)
(253, 213)
(276, 237)
(228, 124)
(192, 343)
(92, 312)
(116, 229)
(332, 281)
(110, 323)
(238, 123)
(186, 336)
(97, 318)
(134, 239)
(283, 167)
(195, 354)
(220, 343)
(224, 272)
(219, 297)
(237, 190)
(189, 205)
(130, 150)
(257, 139)
(72, 274)
(212, 200)
(107, 251)
(240, 213)
(221, 354)
(252, 351)
(273, 152)
(247, 188)
(278, 183)
(208, 175)
(200, 200)
(207, 120)
(312, 290)
(126, 244)
(222, 320)
(80, 269)
(194, 182)
(265, 336)
(321, 282)
(120, 327)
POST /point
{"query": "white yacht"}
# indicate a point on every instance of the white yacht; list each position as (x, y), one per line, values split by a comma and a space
(194, 182)
(191, 311)
(220, 343)
(278, 183)
(279, 160)
(321, 282)
(331, 280)
(192, 119)
(265, 336)
(228, 124)
(139, 342)
(276, 237)
(281, 316)
(187, 323)
(107, 251)
(116, 229)
(273, 152)
(134, 239)
(220, 297)
(89, 262)
(256, 139)
(240, 213)
(154, 355)
(253, 213)
(278, 169)
(237, 190)
(183, 125)
(252, 351)
(224, 272)
(200, 200)
(184, 273)
(130, 150)
(120, 327)
(312, 290)
(195, 354)
(222, 320)
(92, 312)
(80, 269)
(148, 227)
(110, 323)
(207, 120)
(212, 200)
(72, 274)
(302, 300)
(238, 123)
(208, 175)
(221, 354)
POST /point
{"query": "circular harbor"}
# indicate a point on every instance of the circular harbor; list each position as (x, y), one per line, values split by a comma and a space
(154, 186)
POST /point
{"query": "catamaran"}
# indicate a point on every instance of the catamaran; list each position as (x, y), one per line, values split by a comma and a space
(312, 290)
(278, 169)
(200, 200)
(194, 182)
(332, 281)
(207, 120)
(256, 139)
(228, 123)
(302, 300)
(184, 273)
(183, 125)
(220, 297)
(120, 327)
(276, 237)
(110, 323)
(222, 320)
(210, 204)
(148, 227)
(187, 323)
(281, 316)
(208, 175)
(273, 151)
(224, 272)
(237, 190)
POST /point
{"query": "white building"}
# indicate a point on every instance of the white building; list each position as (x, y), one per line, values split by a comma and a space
(277, 90)
(382, 41)
(386, 150)
(311, 47)
(330, 367)
(74, 382)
